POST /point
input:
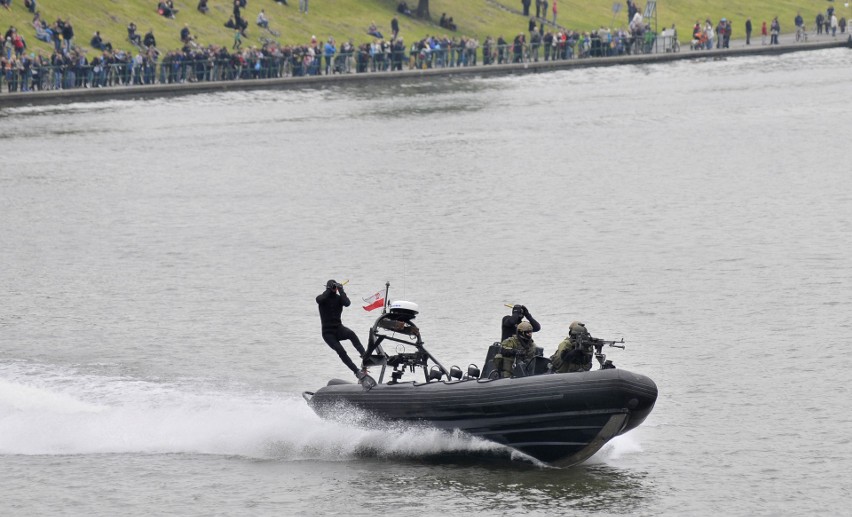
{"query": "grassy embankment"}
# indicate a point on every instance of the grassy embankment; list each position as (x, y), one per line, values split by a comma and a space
(346, 19)
(591, 14)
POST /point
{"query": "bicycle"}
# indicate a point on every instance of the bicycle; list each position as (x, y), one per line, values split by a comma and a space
(801, 33)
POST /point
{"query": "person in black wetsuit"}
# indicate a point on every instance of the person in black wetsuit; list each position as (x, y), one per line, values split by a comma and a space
(331, 303)
(510, 323)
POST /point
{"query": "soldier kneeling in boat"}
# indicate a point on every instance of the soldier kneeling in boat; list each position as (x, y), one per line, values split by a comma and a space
(574, 353)
(519, 348)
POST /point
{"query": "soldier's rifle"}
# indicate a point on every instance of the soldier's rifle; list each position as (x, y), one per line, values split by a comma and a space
(599, 355)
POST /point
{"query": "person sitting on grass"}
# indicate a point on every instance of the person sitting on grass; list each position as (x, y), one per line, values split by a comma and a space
(98, 42)
(262, 20)
(447, 23)
(42, 30)
(374, 31)
(166, 9)
(150, 41)
(132, 36)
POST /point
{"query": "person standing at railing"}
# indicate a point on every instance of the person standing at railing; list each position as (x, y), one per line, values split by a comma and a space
(398, 54)
(729, 29)
(328, 51)
(472, 46)
(774, 30)
(720, 33)
(547, 42)
(518, 49)
(535, 43)
(346, 51)
(56, 72)
(748, 31)
(710, 33)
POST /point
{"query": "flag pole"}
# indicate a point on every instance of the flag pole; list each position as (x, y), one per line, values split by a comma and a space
(385, 306)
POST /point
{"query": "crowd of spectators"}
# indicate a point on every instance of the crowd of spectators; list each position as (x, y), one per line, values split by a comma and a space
(706, 35)
(69, 66)
(828, 22)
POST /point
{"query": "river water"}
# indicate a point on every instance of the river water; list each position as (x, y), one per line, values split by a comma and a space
(160, 260)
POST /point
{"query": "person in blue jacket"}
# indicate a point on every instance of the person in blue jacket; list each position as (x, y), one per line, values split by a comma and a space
(328, 51)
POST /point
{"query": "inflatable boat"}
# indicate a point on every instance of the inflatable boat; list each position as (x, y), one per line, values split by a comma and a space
(557, 418)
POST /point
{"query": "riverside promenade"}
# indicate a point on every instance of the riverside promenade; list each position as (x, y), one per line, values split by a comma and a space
(738, 48)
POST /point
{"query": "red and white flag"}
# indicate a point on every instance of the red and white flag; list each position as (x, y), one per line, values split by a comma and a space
(374, 302)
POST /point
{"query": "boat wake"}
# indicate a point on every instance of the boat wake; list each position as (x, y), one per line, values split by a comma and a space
(48, 410)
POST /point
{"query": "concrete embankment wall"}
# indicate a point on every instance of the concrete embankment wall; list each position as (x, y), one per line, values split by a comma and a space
(165, 90)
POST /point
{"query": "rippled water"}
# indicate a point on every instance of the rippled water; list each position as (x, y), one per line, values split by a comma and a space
(160, 260)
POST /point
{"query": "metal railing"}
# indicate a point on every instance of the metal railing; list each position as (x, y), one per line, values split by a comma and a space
(176, 67)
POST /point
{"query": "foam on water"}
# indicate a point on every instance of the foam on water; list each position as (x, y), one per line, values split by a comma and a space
(46, 411)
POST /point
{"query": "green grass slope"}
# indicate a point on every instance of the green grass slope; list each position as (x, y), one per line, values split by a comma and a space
(342, 19)
(346, 19)
(592, 14)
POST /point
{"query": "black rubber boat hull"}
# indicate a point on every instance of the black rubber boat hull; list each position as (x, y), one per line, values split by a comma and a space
(559, 419)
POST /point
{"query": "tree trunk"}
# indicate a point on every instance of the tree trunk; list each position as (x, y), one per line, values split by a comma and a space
(423, 9)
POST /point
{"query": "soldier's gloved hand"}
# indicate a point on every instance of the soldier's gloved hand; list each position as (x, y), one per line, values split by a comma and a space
(572, 355)
(509, 352)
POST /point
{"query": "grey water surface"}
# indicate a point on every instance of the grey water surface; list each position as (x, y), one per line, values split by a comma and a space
(160, 260)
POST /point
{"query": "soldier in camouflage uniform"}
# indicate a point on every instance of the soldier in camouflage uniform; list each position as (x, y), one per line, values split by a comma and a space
(574, 353)
(520, 348)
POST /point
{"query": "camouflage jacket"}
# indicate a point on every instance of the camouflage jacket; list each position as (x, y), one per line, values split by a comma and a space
(525, 351)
